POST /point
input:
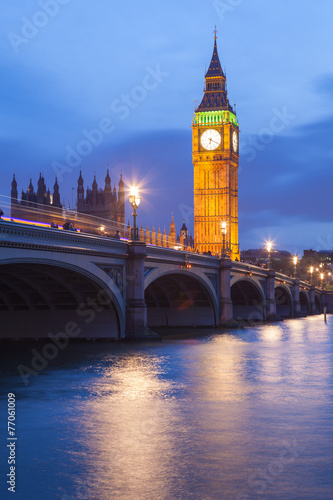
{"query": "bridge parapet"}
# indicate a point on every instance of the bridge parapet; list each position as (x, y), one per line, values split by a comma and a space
(181, 257)
(16, 234)
(283, 279)
(248, 269)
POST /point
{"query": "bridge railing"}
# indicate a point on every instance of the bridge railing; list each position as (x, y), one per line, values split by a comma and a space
(26, 212)
(252, 270)
(14, 232)
(184, 258)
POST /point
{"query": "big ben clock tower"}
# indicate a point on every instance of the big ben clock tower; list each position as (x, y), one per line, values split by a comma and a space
(215, 159)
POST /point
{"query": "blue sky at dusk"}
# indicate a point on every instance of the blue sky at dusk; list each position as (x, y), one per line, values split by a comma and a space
(132, 70)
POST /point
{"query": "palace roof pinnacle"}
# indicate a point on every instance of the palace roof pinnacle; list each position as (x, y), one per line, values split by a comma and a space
(172, 224)
(183, 228)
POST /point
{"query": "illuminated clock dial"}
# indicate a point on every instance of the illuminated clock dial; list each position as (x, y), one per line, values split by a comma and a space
(210, 139)
(234, 141)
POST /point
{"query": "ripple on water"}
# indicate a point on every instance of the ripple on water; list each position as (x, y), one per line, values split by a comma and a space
(240, 414)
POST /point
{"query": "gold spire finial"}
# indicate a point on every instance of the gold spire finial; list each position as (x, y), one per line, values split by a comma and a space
(215, 33)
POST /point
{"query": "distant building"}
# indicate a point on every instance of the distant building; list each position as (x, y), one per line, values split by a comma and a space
(106, 203)
(259, 256)
(185, 240)
(320, 257)
(41, 206)
(44, 206)
(182, 241)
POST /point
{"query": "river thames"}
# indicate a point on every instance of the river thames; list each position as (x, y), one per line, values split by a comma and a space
(240, 414)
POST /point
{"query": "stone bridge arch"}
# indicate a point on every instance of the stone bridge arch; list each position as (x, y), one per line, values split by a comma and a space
(248, 300)
(317, 304)
(284, 301)
(179, 298)
(42, 295)
(305, 304)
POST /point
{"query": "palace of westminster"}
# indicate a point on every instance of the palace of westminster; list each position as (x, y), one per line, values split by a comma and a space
(215, 154)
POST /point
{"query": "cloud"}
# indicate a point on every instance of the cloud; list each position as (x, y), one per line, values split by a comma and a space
(323, 84)
(293, 174)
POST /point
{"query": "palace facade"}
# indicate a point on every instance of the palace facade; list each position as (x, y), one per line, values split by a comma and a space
(43, 206)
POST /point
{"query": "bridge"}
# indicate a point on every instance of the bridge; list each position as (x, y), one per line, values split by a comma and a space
(54, 281)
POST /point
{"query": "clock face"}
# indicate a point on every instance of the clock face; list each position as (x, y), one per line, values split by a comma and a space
(210, 139)
(234, 141)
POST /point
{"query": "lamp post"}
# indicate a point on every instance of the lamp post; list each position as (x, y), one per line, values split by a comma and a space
(269, 248)
(321, 273)
(321, 280)
(134, 200)
(295, 264)
(224, 232)
(311, 273)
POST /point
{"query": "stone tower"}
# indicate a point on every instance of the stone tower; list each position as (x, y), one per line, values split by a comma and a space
(105, 203)
(14, 192)
(56, 194)
(41, 190)
(121, 202)
(172, 233)
(215, 159)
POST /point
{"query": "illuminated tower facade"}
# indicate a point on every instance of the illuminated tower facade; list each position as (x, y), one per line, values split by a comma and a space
(215, 159)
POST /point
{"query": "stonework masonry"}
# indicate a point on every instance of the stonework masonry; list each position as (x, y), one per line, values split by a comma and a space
(215, 150)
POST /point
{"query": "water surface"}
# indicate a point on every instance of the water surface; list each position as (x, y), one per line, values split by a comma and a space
(241, 414)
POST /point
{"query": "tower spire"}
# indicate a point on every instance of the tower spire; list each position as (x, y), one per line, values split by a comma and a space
(215, 96)
(215, 68)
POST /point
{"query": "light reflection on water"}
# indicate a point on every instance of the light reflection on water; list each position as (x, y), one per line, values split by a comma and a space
(210, 417)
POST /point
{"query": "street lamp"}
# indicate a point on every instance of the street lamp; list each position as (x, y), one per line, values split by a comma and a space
(134, 200)
(269, 248)
(224, 232)
(311, 273)
(295, 259)
(321, 274)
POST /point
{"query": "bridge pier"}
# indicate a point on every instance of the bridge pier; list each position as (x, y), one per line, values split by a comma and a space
(270, 296)
(225, 303)
(312, 300)
(324, 302)
(296, 300)
(136, 308)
